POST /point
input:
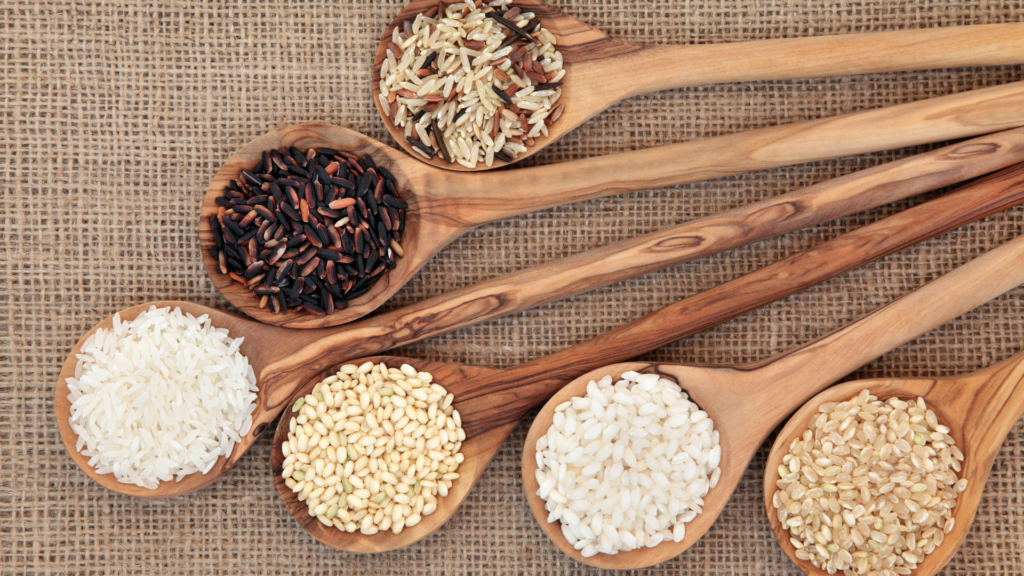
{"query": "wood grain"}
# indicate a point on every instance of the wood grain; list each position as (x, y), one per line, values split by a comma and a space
(286, 359)
(980, 409)
(747, 402)
(491, 404)
(602, 70)
(506, 397)
(444, 205)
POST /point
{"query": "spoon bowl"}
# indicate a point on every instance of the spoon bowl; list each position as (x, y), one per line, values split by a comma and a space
(732, 466)
(478, 449)
(304, 137)
(69, 437)
(979, 408)
(601, 70)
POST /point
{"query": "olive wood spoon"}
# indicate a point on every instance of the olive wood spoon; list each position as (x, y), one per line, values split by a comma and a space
(281, 369)
(602, 70)
(746, 402)
(492, 402)
(443, 205)
(979, 408)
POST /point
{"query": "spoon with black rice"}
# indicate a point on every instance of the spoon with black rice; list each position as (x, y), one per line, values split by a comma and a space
(314, 225)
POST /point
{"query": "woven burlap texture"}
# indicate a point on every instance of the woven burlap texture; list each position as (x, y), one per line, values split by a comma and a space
(116, 114)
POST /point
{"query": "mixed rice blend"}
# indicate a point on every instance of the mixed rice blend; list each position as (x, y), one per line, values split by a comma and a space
(472, 81)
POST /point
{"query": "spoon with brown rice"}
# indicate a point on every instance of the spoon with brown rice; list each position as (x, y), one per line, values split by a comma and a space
(938, 440)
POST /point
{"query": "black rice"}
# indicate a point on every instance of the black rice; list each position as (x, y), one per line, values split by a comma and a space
(275, 231)
(501, 94)
(512, 27)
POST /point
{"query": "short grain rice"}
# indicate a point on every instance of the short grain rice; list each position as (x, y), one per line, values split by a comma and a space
(627, 465)
(373, 448)
(870, 486)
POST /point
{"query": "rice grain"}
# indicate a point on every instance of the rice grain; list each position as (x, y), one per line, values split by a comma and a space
(870, 486)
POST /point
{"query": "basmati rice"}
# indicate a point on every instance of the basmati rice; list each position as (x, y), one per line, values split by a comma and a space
(160, 397)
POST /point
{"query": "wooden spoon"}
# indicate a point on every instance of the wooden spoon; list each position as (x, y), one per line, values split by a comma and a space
(492, 402)
(747, 402)
(980, 409)
(285, 359)
(443, 205)
(601, 70)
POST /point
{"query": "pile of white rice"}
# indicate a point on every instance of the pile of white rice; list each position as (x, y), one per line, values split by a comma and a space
(627, 465)
(160, 397)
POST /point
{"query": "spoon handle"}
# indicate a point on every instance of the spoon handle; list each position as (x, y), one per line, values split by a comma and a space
(471, 197)
(513, 392)
(809, 369)
(988, 406)
(661, 67)
(316, 350)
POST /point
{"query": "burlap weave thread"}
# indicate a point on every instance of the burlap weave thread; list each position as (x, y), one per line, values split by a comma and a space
(114, 115)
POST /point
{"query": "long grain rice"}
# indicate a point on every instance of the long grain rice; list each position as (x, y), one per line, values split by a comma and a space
(160, 397)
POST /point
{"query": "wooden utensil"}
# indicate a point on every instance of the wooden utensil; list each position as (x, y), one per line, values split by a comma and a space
(443, 205)
(980, 409)
(746, 402)
(281, 369)
(601, 70)
(492, 402)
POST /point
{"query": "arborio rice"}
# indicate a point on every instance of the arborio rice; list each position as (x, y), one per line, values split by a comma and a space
(626, 466)
(160, 397)
(465, 74)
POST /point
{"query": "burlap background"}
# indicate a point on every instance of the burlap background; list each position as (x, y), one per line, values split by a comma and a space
(116, 113)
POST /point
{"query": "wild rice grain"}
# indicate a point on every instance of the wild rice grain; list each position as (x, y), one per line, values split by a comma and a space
(295, 228)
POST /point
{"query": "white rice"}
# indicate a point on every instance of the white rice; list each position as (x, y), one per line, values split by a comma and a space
(627, 466)
(160, 397)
